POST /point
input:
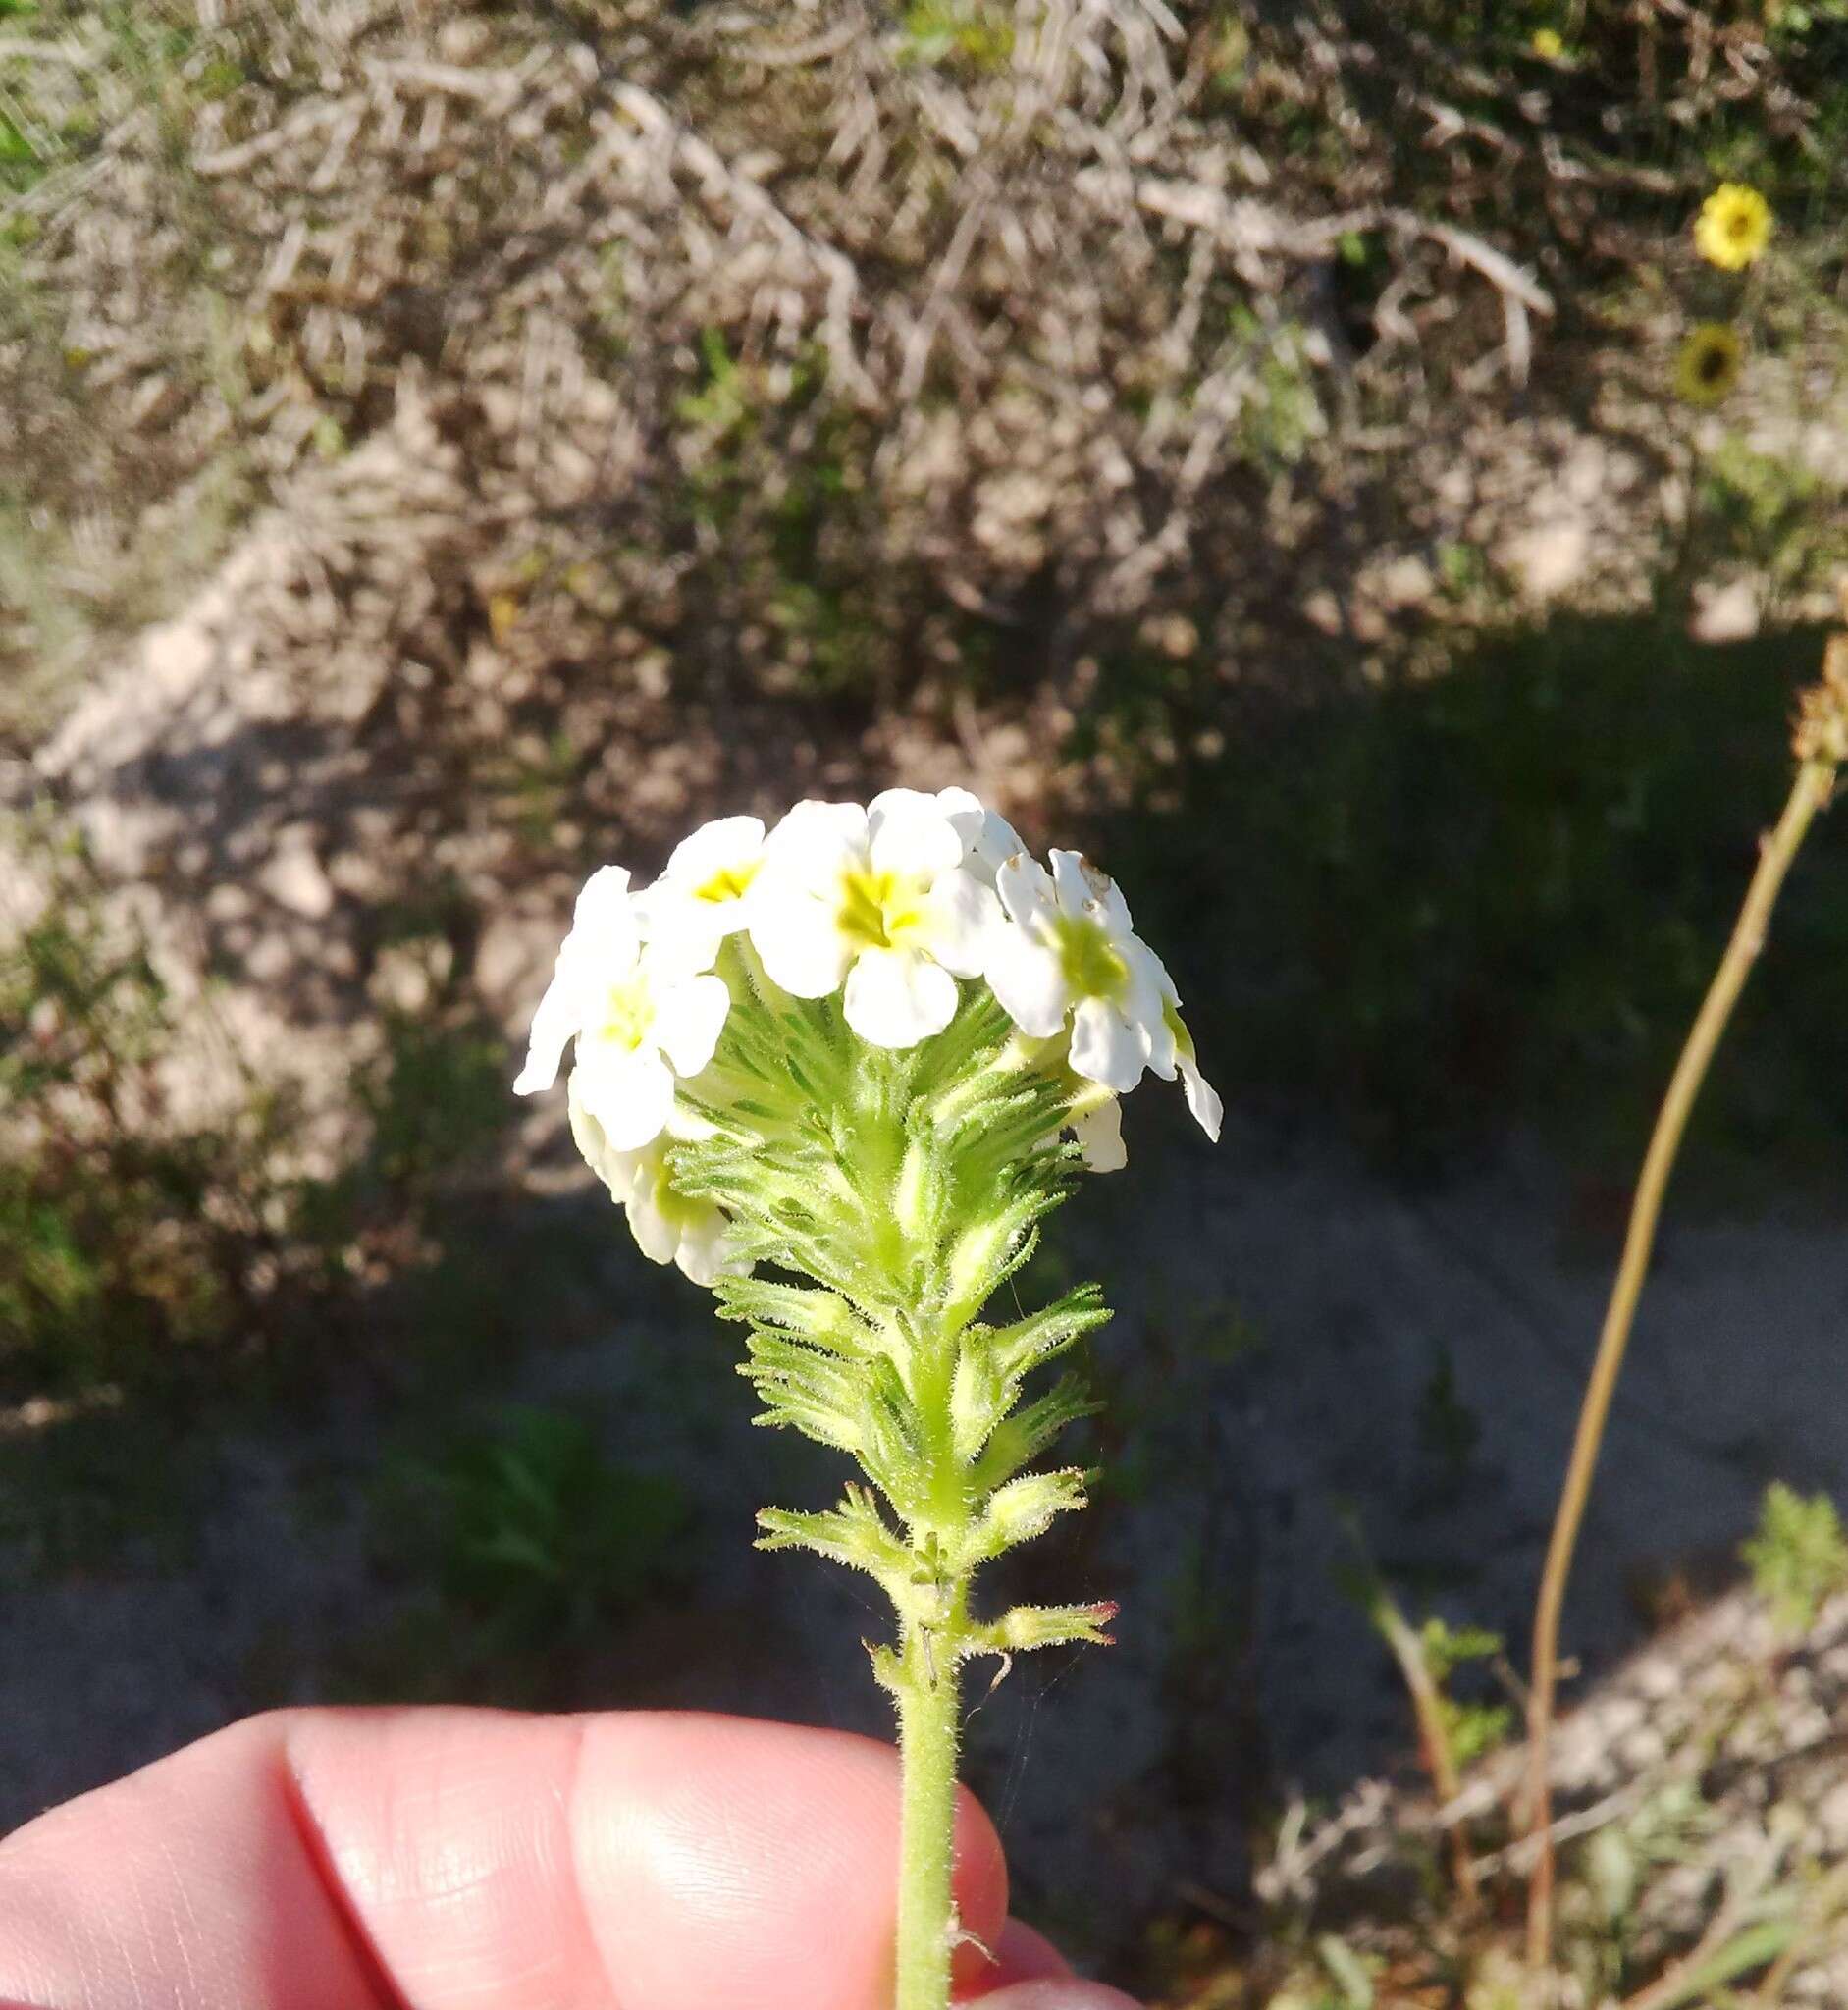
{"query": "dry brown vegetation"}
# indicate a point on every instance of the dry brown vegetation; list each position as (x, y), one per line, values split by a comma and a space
(847, 348)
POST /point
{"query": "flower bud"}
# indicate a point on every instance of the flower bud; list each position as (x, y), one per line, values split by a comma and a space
(1024, 1508)
(1031, 1626)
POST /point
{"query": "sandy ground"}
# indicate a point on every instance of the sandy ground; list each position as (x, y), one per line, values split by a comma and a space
(1281, 1315)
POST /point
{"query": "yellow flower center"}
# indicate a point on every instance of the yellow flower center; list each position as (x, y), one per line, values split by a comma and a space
(1090, 966)
(729, 882)
(675, 1208)
(628, 1012)
(879, 910)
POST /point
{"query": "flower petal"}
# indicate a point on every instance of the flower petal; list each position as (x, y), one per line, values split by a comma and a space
(814, 842)
(559, 1014)
(908, 832)
(963, 918)
(631, 1091)
(1202, 1098)
(1029, 981)
(704, 1253)
(1163, 1043)
(989, 840)
(656, 1234)
(964, 809)
(1107, 1047)
(604, 941)
(685, 934)
(615, 1169)
(1141, 998)
(688, 1021)
(1027, 892)
(795, 936)
(1112, 908)
(1086, 889)
(605, 912)
(1099, 1134)
(897, 998)
(1073, 889)
(720, 846)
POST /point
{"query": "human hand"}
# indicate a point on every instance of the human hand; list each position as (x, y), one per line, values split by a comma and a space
(473, 1860)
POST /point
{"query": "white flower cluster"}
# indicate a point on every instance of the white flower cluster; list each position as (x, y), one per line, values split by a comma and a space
(890, 905)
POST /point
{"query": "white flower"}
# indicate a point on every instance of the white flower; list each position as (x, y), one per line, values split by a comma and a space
(704, 893)
(988, 839)
(636, 1021)
(1074, 953)
(875, 899)
(1098, 1129)
(669, 1226)
(1171, 1052)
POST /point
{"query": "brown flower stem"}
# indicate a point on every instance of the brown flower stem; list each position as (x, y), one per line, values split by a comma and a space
(1809, 793)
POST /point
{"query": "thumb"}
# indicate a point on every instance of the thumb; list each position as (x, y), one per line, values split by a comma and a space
(1057, 1996)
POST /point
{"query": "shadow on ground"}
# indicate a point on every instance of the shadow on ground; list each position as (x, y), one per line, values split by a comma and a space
(1440, 939)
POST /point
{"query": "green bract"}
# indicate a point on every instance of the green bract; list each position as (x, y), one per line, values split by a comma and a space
(906, 1186)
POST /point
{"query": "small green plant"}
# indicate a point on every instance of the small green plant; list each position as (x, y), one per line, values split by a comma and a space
(1452, 1731)
(960, 30)
(1768, 513)
(529, 1528)
(1799, 1557)
(1612, 1877)
(839, 1073)
(1282, 416)
(1473, 1728)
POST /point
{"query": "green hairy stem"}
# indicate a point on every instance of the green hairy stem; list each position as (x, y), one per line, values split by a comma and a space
(882, 1198)
(928, 1712)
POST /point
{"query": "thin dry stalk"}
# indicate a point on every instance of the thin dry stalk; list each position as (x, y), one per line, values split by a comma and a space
(1820, 742)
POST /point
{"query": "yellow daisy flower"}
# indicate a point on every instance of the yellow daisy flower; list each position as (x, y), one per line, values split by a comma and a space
(1708, 367)
(1547, 44)
(1734, 227)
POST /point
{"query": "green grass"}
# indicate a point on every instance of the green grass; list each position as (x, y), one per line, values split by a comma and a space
(529, 1526)
(1495, 895)
(523, 1547)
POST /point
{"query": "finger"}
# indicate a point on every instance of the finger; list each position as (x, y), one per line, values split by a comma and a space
(1020, 1956)
(684, 1862)
(439, 1859)
(191, 1881)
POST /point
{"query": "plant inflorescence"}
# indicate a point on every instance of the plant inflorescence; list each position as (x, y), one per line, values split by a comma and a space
(839, 1073)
